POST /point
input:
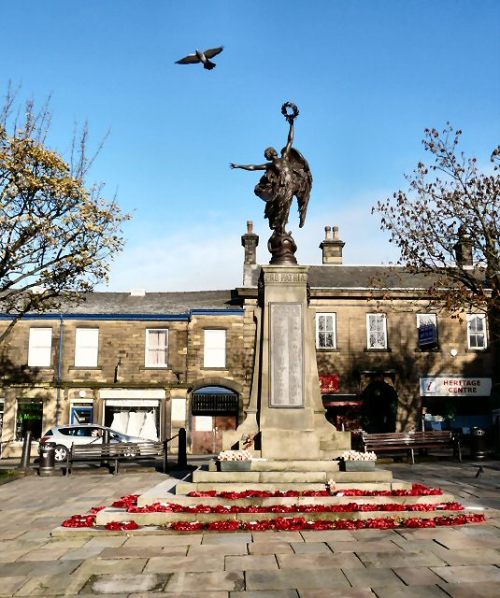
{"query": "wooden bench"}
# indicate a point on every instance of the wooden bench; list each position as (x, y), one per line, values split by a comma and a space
(409, 441)
(113, 453)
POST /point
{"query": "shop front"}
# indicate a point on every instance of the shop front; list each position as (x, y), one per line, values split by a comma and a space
(456, 403)
(134, 412)
(214, 409)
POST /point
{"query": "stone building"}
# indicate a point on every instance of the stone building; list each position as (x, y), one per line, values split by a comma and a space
(385, 356)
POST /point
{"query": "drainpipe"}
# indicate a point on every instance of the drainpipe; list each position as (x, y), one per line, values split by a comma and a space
(59, 369)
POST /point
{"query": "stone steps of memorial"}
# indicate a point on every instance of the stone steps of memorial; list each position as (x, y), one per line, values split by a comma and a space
(290, 477)
(111, 514)
(186, 487)
(161, 493)
(277, 465)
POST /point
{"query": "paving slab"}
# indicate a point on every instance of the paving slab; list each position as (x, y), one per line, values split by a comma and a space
(224, 548)
(372, 578)
(10, 584)
(163, 564)
(343, 593)
(296, 579)
(219, 580)
(310, 547)
(468, 573)
(341, 560)
(107, 584)
(251, 562)
(476, 590)
(417, 576)
(265, 594)
(411, 592)
(399, 559)
(271, 548)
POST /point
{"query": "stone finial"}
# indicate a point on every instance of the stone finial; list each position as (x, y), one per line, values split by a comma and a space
(249, 242)
(332, 246)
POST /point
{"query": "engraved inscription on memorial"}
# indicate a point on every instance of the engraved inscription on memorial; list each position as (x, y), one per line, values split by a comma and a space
(285, 277)
(286, 342)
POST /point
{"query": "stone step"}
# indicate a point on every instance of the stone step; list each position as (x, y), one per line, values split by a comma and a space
(290, 477)
(288, 466)
(186, 487)
(110, 514)
(168, 497)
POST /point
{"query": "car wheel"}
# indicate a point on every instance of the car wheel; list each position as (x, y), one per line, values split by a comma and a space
(60, 453)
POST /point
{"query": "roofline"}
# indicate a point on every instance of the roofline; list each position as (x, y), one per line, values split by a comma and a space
(185, 317)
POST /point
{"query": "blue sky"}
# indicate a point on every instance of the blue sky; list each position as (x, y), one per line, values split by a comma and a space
(367, 75)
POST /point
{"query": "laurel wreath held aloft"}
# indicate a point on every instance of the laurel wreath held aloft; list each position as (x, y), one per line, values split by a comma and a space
(289, 111)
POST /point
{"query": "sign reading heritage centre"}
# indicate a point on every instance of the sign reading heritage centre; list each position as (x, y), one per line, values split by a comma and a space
(286, 355)
(455, 386)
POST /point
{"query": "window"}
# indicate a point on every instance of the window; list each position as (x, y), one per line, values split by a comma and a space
(215, 349)
(476, 332)
(376, 331)
(427, 331)
(86, 346)
(29, 418)
(40, 347)
(156, 348)
(326, 337)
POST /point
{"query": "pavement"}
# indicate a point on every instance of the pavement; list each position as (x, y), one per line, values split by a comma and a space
(461, 561)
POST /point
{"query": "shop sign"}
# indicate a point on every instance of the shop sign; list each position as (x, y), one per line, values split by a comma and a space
(329, 383)
(444, 386)
(427, 335)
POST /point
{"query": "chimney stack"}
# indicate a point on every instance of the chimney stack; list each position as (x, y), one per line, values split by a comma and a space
(249, 241)
(332, 246)
(463, 249)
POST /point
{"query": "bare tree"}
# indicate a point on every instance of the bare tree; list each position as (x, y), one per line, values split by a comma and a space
(57, 235)
(447, 225)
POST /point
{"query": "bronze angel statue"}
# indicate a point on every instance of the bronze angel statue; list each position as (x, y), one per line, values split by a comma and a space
(285, 176)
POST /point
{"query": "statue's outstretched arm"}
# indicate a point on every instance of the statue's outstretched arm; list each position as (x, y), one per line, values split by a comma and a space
(290, 137)
(249, 166)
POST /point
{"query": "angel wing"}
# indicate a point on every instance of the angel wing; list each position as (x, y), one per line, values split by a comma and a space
(302, 181)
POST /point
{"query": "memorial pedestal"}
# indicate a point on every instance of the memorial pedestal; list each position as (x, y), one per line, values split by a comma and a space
(285, 407)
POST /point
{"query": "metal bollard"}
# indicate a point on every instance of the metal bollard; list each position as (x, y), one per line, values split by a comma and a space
(47, 459)
(478, 443)
(25, 457)
(182, 452)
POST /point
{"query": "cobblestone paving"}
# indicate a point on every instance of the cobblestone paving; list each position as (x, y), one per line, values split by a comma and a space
(456, 562)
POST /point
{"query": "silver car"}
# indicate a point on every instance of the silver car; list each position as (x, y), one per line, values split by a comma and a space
(67, 435)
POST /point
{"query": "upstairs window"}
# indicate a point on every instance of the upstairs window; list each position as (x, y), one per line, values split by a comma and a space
(214, 355)
(86, 347)
(40, 347)
(326, 334)
(476, 332)
(427, 331)
(156, 348)
(376, 331)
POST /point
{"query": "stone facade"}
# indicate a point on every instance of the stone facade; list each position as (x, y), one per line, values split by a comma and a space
(345, 294)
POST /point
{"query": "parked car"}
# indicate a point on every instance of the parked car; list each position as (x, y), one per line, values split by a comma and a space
(67, 435)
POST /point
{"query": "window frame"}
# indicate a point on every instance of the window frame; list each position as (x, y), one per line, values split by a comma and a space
(383, 317)
(81, 351)
(159, 349)
(328, 316)
(47, 361)
(209, 362)
(482, 318)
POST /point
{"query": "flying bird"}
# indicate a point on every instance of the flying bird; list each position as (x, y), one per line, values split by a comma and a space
(202, 57)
